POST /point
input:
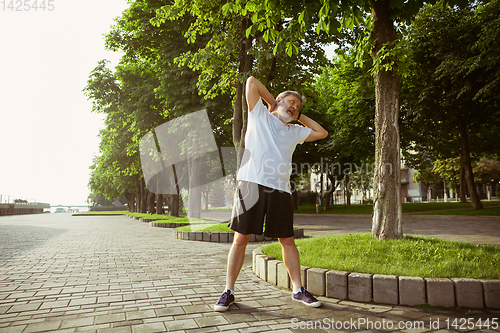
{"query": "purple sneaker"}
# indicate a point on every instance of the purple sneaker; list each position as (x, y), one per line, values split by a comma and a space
(306, 297)
(225, 300)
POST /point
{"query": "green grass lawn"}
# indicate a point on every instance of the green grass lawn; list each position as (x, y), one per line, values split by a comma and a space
(209, 227)
(408, 256)
(433, 208)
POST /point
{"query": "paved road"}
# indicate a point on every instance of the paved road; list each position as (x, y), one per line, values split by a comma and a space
(114, 274)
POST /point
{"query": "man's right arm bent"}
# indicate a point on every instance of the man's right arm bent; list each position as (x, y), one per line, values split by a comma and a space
(256, 90)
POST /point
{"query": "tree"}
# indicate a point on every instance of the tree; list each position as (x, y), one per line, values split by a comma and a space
(386, 221)
(176, 89)
(237, 48)
(346, 96)
(455, 84)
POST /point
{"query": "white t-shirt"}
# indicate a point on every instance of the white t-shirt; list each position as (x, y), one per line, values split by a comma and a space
(269, 146)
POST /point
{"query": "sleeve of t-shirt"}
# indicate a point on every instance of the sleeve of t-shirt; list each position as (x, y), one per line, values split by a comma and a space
(258, 109)
(301, 133)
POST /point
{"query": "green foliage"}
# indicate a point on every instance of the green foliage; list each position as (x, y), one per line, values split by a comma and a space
(445, 83)
(346, 96)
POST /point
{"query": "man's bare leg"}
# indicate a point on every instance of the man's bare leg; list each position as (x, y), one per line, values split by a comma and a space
(236, 258)
(291, 260)
(235, 261)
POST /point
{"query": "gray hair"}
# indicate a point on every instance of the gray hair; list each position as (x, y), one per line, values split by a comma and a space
(302, 99)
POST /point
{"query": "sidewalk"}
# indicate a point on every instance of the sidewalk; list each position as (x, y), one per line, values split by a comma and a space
(114, 274)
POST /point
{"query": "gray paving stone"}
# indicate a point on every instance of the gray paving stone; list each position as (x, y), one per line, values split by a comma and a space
(411, 290)
(360, 287)
(184, 324)
(385, 289)
(224, 237)
(303, 276)
(283, 277)
(148, 328)
(491, 290)
(468, 293)
(47, 325)
(336, 284)
(316, 281)
(440, 292)
(272, 271)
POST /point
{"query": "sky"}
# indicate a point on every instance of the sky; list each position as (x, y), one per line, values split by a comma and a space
(48, 134)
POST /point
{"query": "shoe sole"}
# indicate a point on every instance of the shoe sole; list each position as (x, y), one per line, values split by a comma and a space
(312, 305)
(220, 308)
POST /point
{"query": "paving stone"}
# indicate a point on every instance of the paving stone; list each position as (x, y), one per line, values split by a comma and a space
(385, 289)
(491, 290)
(272, 271)
(47, 325)
(283, 277)
(411, 290)
(255, 252)
(316, 281)
(184, 324)
(224, 237)
(211, 321)
(261, 262)
(440, 292)
(148, 328)
(77, 322)
(336, 284)
(109, 318)
(214, 237)
(468, 293)
(360, 287)
(303, 276)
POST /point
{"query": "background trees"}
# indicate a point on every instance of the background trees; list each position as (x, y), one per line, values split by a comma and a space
(449, 111)
(181, 56)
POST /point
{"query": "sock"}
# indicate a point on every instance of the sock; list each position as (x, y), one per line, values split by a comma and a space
(297, 290)
(230, 291)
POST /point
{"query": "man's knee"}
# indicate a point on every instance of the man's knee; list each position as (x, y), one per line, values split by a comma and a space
(241, 239)
(285, 242)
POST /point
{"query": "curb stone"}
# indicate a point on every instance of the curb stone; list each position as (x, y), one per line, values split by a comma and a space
(383, 289)
(218, 237)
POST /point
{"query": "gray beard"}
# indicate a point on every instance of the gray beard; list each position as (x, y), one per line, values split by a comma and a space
(285, 116)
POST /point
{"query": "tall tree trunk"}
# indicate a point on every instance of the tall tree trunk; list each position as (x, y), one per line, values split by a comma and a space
(159, 204)
(144, 196)
(240, 105)
(347, 190)
(194, 165)
(138, 195)
(463, 198)
(467, 166)
(387, 209)
(151, 202)
(174, 205)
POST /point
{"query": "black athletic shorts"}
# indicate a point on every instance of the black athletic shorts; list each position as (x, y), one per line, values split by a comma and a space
(255, 203)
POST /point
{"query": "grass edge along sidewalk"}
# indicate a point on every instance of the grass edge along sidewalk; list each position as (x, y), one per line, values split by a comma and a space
(425, 257)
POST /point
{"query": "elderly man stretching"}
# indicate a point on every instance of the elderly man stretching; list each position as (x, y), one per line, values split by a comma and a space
(264, 183)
